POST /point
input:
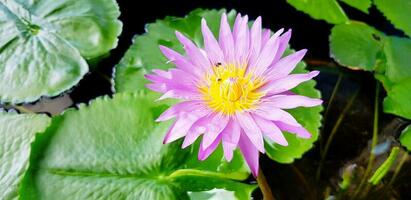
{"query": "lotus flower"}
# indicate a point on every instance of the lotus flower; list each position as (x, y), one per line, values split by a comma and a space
(235, 90)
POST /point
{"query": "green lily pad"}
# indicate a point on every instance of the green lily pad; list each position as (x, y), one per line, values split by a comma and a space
(362, 5)
(144, 54)
(17, 132)
(117, 153)
(44, 44)
(398, 12)
(328, 10)
(397, 52)
(398, 99)
(310, 118)
(356, 45)
(405, 137)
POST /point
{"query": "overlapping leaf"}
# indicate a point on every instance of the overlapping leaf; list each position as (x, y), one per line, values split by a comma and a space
(17, 132)
(112, 149)
(44, 44)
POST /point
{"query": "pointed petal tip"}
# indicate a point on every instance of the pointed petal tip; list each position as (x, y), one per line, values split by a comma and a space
(314, 73)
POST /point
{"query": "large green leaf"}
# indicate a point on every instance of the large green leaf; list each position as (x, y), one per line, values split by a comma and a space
(144, 54)
(397, 52)
(112, 149)
(310, 118)
(43, 44)
(398, 12)
(17, 132)
(362, 5)
(328, 10)
(405, 137)
(356, 45)
(398, 99)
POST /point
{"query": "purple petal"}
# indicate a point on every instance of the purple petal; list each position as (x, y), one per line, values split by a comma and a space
(287, 83)
(298, 130)
(284, 66)
(231, 135)
(284, 39)
(275, 114)
(292, 101)
(255, 42)
(173, 111)
(180, 61)
(195, 54)
(250, 153)
(251, 129)
(266, 57)
(215, 125)
(226, 40)
(203, 154)
(265, 37)
(242, 41)
(182, 125)
(214, 52)
(271, 130)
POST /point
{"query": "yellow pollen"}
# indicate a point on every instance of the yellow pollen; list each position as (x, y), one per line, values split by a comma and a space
(228, 89)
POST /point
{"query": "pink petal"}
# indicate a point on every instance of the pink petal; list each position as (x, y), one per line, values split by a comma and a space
(195, 54)
(292, 101)
(250, 153)
(284, 39)
(231, 135)
(271, 130)
(237, 24)
(173, 111)
(242, 41)
(266, 57)
(198, 128)
(251, 129)
(265, 37)
(284, 66)
(287, 83)
(215, 125)
(183, 124)
(203, 154)
(180, 61)
(226, 40)
(214, 52)
(275, 114)
(298, 130)
(255, 40)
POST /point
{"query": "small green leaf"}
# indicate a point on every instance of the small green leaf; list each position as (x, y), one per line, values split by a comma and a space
(356, 45)
(17, 132)
(398, 12)
(328, 10)
(362, 5)
(43, 43)
(117, 153)
(310, 118)
(384, 167)
(144, 54)
(405, 137)
(398, 99)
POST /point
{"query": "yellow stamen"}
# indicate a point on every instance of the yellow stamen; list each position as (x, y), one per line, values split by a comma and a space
(228, 89)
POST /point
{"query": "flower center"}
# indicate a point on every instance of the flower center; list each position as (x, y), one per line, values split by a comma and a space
(228, 89)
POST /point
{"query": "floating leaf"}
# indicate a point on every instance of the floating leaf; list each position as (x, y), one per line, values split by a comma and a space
(117, 153)
(17, 132)
(328, 10)
(405, 137)
(398, 99)
(43, 44)
(397, 52)
(356, 45)
(398, 12)
(310, 118)
(144, 54)
(362, 5)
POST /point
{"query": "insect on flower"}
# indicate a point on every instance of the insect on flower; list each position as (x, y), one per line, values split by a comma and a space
(233, 91)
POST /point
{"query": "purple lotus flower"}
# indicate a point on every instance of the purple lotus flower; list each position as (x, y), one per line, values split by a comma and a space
(233, 90)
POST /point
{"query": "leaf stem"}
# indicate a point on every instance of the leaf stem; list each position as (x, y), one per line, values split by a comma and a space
(333, 132)
(398, 168)
(330, 102)
(374, 140)
(264, 187)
